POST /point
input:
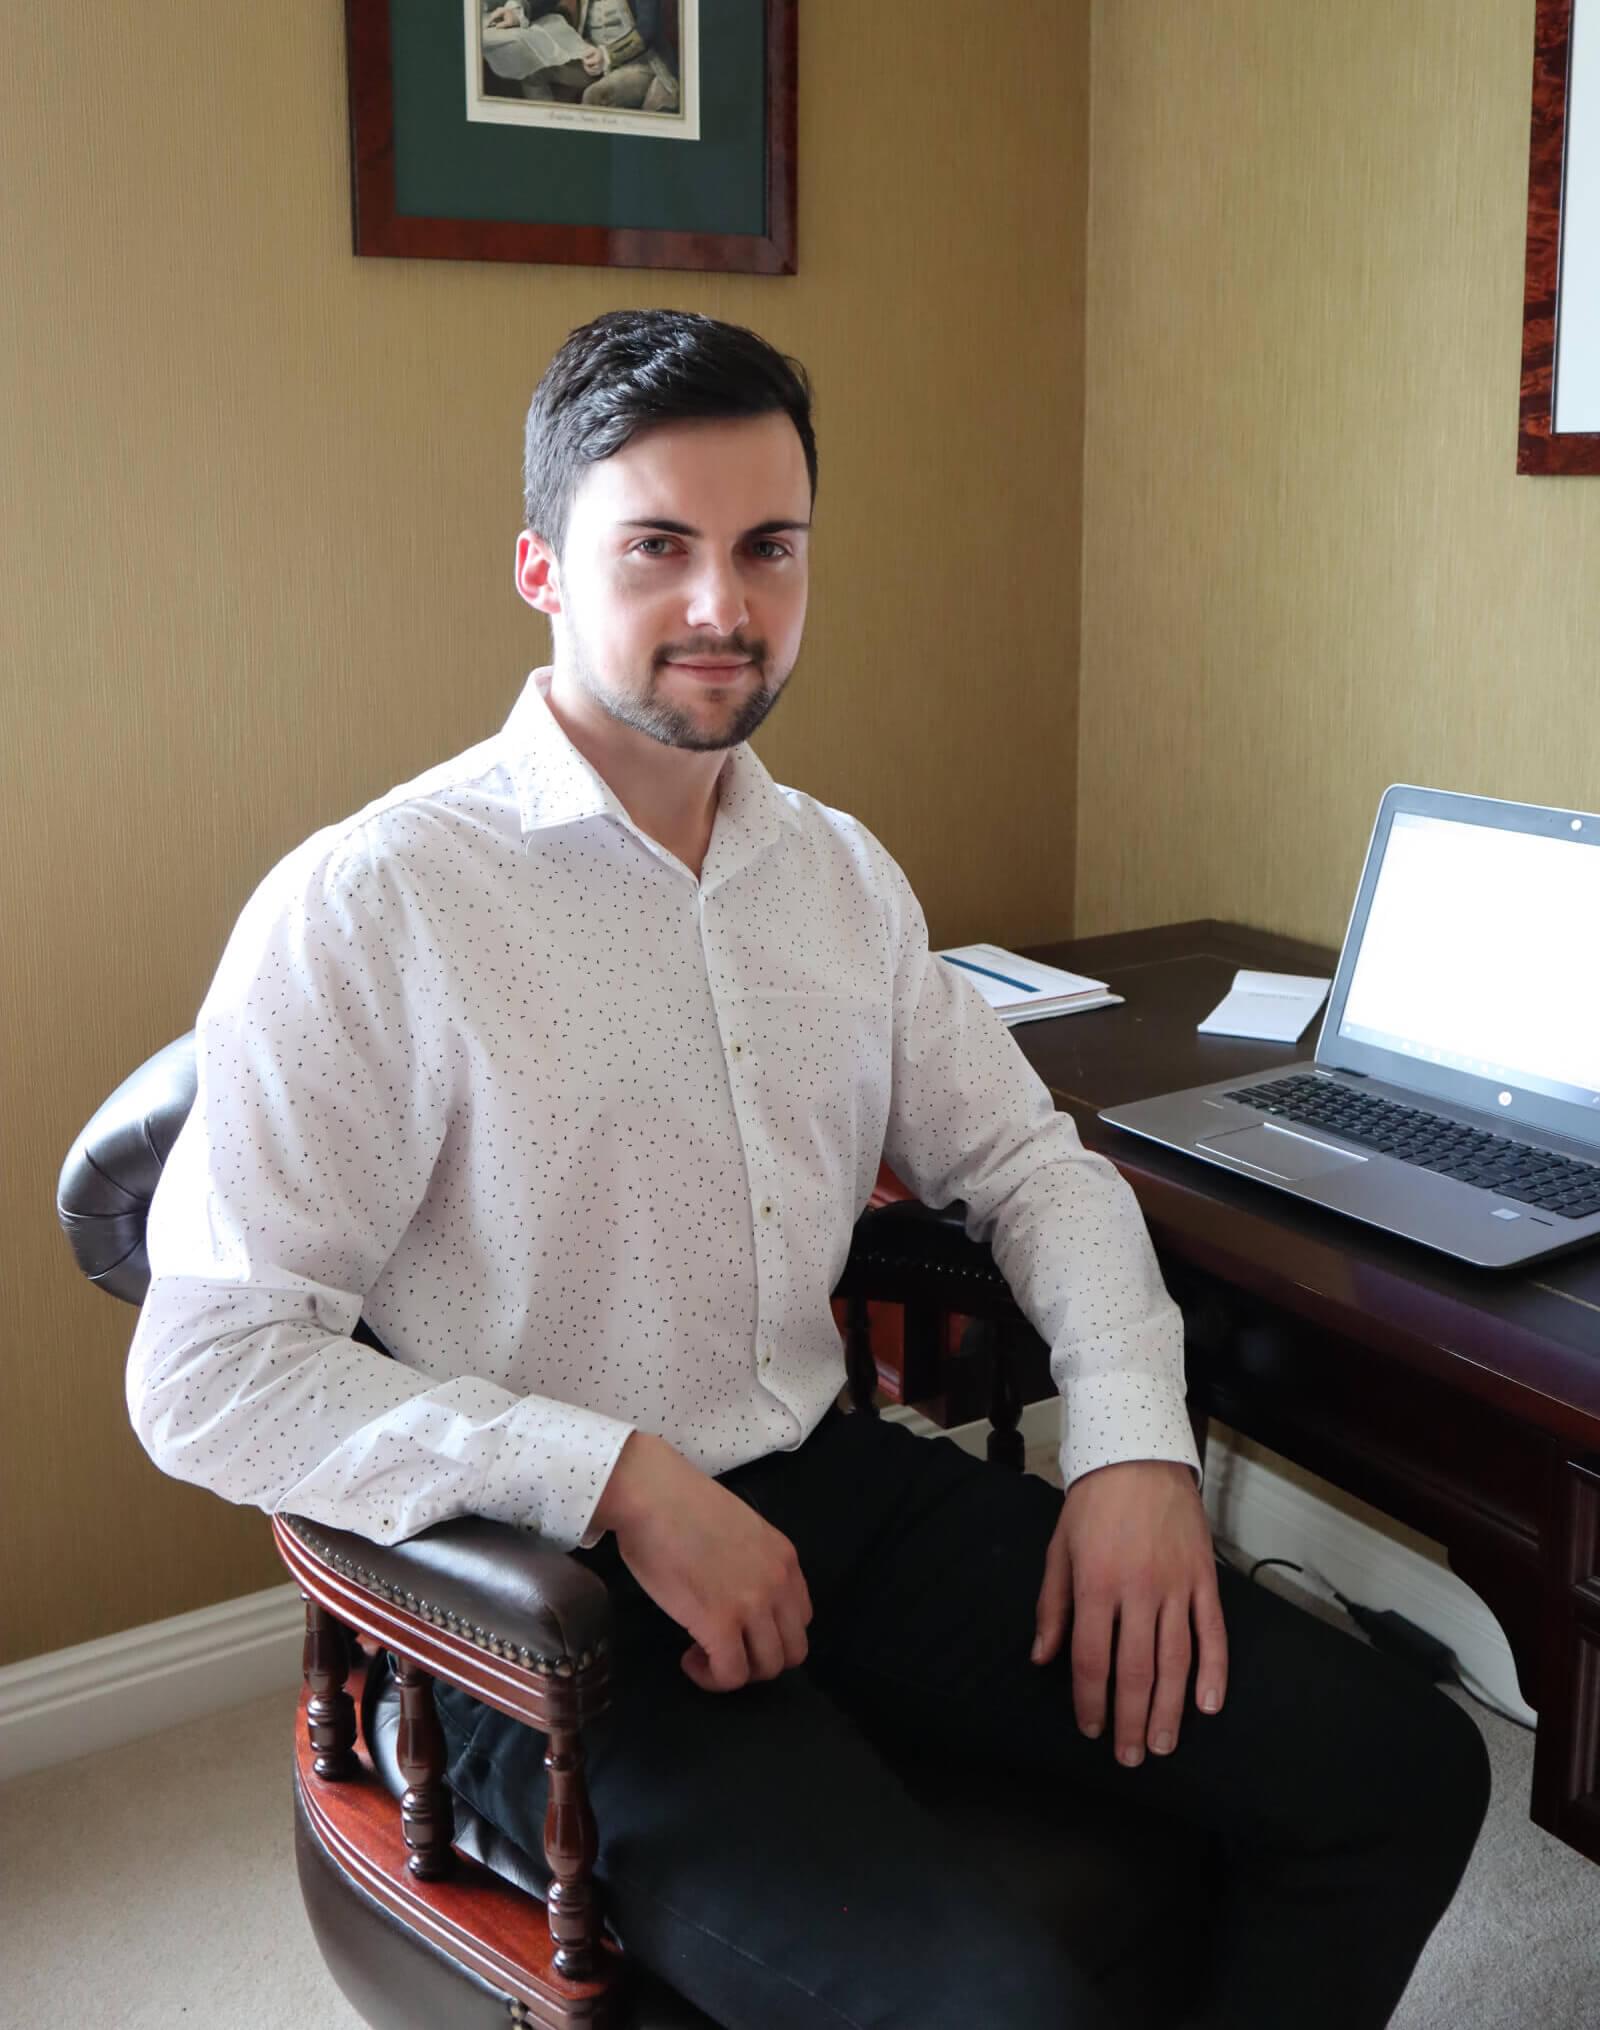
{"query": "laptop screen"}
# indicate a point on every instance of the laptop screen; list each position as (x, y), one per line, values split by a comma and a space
(1479, 954)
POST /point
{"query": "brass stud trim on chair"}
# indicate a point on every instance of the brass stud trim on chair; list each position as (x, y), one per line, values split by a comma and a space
(441, 1617)
(954, 1272)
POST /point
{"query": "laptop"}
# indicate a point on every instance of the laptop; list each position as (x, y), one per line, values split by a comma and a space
(1454, 1098)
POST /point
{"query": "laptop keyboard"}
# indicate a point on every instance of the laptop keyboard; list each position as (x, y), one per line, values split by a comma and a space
(1496, 1163)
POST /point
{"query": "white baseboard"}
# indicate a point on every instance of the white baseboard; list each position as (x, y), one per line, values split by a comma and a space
(1263, 1507)
(100, 1694)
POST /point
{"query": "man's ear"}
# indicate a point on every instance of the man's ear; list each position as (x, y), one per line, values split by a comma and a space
(537, 578)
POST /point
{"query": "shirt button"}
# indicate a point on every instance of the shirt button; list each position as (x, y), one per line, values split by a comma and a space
(766, 1356)
(766, 1210)
(737, 1049)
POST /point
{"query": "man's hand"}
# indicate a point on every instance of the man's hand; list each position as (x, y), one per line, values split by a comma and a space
(504, 17)
(705, 1557)
(1133, 1551)
(594, 61)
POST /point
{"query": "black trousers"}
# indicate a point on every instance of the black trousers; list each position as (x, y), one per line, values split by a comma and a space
(760, 1854)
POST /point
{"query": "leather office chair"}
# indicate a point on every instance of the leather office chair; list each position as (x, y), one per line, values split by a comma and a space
(428, 1918)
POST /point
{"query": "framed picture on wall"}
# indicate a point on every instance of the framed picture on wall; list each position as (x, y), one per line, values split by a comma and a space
(1559, 427)
(611, 133)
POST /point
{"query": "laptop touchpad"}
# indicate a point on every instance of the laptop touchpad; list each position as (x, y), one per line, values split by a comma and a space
(1279, 1153)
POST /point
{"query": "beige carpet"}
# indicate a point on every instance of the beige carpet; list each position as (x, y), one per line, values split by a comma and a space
(115, 1914)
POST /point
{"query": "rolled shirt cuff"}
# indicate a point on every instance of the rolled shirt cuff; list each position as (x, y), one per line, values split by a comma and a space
(551, 1469)
(1107, 1419)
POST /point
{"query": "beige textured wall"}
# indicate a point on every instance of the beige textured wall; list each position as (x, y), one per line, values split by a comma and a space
(257, 523)
(1310, 568)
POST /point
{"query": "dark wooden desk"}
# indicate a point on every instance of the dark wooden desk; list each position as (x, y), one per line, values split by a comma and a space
(1462, 1401)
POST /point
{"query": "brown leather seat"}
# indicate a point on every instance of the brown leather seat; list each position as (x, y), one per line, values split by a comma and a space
(511, 1618)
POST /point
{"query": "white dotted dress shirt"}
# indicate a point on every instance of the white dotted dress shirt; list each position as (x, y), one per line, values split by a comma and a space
(583, 1140)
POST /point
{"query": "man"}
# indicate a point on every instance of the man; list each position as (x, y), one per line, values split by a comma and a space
(569, 1066)
(618, 69)
(523, 44)
(634, 76)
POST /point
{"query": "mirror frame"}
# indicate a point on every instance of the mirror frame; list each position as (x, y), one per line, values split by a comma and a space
(1540, 448)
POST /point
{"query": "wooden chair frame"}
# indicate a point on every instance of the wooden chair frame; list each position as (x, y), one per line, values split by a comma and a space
(565, 1971)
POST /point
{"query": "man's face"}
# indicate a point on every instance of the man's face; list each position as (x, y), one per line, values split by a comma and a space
(681, 587)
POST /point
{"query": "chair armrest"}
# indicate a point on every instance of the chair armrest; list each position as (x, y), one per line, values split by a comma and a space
(909, 1253)
(495, 1610)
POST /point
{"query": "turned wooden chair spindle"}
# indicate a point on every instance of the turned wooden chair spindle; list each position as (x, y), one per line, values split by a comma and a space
(330, 1710)
(425, 1809)
(571, 1843)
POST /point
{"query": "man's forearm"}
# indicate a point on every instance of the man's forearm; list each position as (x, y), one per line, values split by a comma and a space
(625, 1500)
(628, 48)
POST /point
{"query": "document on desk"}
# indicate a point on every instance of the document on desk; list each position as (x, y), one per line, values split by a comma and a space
(1023, 990)
(1270, 1007)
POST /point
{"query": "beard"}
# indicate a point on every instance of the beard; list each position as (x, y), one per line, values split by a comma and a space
(742, 706)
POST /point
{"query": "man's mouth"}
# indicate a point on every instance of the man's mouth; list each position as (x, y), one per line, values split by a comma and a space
(702, 667)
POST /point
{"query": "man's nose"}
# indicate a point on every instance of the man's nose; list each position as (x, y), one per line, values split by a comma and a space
(717, 601)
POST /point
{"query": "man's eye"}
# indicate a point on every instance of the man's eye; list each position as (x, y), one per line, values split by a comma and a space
(769, 547)
(653, 546)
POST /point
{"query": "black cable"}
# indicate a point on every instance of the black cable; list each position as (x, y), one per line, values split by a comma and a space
(1397, 1637)
(1288, 1564)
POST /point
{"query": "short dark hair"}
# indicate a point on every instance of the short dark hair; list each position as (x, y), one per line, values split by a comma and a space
(632, 368)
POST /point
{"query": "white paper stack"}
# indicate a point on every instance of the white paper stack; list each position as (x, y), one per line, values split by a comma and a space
(1022, 990)
(1272, 1007)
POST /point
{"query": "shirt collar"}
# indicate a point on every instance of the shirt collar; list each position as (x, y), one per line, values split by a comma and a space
(556, 785)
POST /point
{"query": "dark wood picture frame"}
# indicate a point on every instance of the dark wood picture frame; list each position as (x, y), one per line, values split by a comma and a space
(1540, 447)
(382, 229)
